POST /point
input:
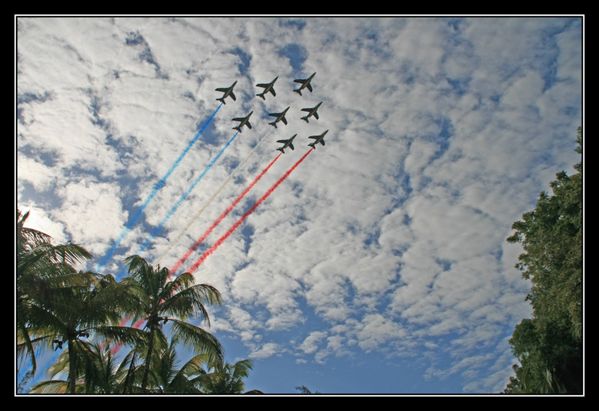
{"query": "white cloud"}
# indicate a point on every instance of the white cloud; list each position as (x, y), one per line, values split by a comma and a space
(91, 212)
(36, 173)
(265, 351)
(310, 344)
(375, 330)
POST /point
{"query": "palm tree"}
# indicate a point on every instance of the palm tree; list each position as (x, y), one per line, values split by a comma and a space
(167, 379)
(160, 301)
(96, 371)
(69, 314)
(41, 267)
(226, 378)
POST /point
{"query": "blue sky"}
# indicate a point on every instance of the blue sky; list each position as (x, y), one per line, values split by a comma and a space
(381, 264)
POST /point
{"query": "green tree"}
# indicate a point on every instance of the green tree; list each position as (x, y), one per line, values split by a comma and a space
(160, 301)
(166, 378)
(305, 390)
(97, 372)
(549, 346)
(88, 306)
(225, 378)
(41, 267)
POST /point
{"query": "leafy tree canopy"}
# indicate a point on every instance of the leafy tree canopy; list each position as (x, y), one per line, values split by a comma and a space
(549, 346)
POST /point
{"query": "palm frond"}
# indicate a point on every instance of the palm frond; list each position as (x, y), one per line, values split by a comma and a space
(26, 348)
(241, 369)
(122, 335)
(195, 365)
(60, 364)
(180, 282)
(137, 267)
(201, 340)
(29, 236)
(191, 300)
(45, 320)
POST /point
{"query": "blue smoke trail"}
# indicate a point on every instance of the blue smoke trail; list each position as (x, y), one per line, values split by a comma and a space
(161, 183)
(183, 196)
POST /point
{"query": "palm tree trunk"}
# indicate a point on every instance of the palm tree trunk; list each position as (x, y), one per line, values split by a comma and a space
(144, 381)
(127, 378)
(72, 379)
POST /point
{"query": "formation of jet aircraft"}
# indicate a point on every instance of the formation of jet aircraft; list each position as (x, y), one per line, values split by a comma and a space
(269, 88)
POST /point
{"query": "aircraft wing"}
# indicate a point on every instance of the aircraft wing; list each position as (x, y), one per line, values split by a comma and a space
(232, 95)
(272, 90)
(239, 119)
(284, 120)
(223, 90)
(248, 124)
(315, 115)
(299, 81)
(263, 85)
(274, 114)
(314, 137)
(291, 146)
(309, 87)
(281, 141)
(307, 109)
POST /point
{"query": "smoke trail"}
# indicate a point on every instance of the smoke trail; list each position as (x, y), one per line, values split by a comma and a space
(234, 227)
(183, 196)
(222, 216)
(234, 172)
(161, 183)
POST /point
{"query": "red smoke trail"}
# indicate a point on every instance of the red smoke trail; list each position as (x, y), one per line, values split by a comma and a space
(221, 217)
(234, 227)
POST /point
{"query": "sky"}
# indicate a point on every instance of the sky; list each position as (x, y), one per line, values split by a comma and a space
(380, 265)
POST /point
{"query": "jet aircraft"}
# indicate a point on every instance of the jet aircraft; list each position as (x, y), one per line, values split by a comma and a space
(244, 121)
(286, 143)
(311, 112)
(228, 92)
(318, 139)
(279, 117)
(267, 87)
(305, 83)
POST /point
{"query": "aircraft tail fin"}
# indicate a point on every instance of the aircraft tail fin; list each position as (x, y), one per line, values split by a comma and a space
(222, 100)
(312, 145)
(274, 123)
(298, 91)
(281, 150)
(305, 118)
(261, 95)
